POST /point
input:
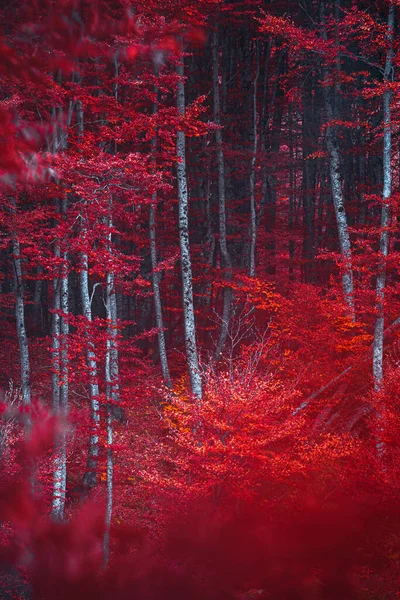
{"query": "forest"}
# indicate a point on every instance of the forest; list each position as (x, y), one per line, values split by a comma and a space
(200, 299)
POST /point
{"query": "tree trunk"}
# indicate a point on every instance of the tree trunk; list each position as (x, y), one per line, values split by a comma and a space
(89, 480)
(253, 208)
(337, 192)
(377, 362)
(20, 322)
(110, 489)
(55, 333)
(226, 262)
(210, 237)
(275, 114)
(90, 477)
(60, 459)
(60, 330)
(310, 132)
(112, 385)
(156, 276)
(55, 381)
(186, 265)
(37, 299)
(340, 213)
(292, 195)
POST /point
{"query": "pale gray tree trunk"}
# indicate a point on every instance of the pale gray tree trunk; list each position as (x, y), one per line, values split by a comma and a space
(110, 489)
(253, 208)
(64, 360)
(60, 459)
(60, 330)
(337, 192)
(112, 395)
(55, 334)
(112, 385)
(55, 381)
(20, 323)
(90, 477)
(89, 480)
(186, 265)
(111, 365)
(226, 262)
(377, 348)
(338, 203)
(377, 361)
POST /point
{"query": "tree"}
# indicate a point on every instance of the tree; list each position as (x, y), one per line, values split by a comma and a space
(186, 266)
(385, 217)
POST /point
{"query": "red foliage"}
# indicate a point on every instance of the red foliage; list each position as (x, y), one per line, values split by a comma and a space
(282, 482)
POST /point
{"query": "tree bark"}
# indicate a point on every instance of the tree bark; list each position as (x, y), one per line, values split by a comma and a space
(89, 480)
(337, 192)
(273, 133)
(60, 459)
(55, 379)
(226, 263)
(55, 331)
(253, 208)
(112, 385)
(186, 265)
(310, 132)
(156, 276)
(60, 330)
(20, 322)
(377, 361)
(37, 299)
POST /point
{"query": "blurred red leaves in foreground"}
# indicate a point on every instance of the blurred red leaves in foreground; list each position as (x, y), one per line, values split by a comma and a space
(342, 546)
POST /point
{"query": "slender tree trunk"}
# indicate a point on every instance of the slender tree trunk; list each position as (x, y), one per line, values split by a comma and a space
(362, 178)
(340, 213)
(79, 116)
(275, 115)
(90, 477)
(112, 395)
(55, 333)
(60, 330)
(111, 366)
(264, 120)
(320, 211)
(64, 360)
(337, 192)
(310, 132)
(112, 385)
(377, 362)
(89, 480)
(20, 322)
(60, 459)
(37, 299)
(253, 208)
(110, 489)
(210, 237)
(226, 262)
(186, 265)
(292, 195)
(55, 380)
(156, 276)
